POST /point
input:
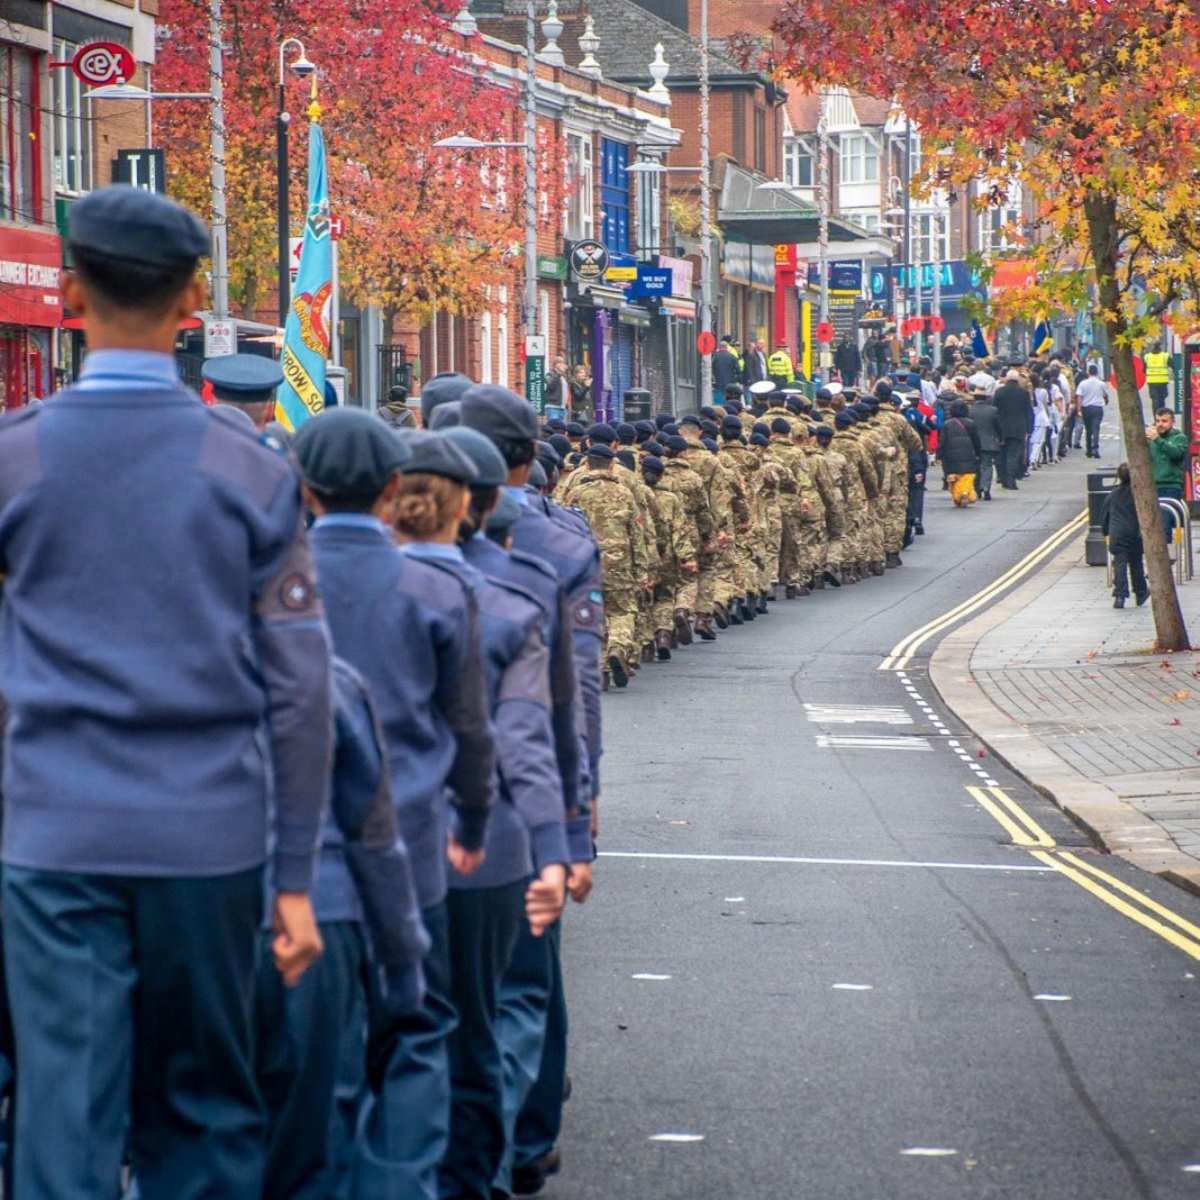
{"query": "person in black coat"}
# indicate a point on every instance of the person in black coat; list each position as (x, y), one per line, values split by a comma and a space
(987, 425)
(848, 360)
(958, 449)
(1119, 523)
(1014, 406)
(725, 369)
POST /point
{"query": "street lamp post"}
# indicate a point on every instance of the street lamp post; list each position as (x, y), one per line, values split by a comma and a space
(532, 321)
(706, 299)
(283, 119)
(825, 359)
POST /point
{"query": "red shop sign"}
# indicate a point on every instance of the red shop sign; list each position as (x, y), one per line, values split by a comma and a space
(30, 268)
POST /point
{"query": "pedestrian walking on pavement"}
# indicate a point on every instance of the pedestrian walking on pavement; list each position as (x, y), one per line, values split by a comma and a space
(1093, 400)
(1119, 524)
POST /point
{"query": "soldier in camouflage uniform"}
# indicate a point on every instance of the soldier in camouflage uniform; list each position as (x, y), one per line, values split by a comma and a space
(907, 441)
(862, 490)
(751, 544)
(716, 498)
(769, 483)
(796, 496)
(613, 514)
(829, 530)
(841, 545)
(882, 455)
(678, 559)
(680, 478)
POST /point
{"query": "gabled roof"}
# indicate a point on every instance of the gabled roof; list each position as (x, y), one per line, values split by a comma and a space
(802, 111)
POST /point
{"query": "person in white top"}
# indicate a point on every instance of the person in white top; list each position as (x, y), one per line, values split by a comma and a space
(1040, 449)
(1092, 394)
(982, 380)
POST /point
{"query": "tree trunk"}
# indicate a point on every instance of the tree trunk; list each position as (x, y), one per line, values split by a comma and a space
(1170, 632)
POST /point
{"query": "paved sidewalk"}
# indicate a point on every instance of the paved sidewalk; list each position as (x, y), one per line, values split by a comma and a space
(1069, 693)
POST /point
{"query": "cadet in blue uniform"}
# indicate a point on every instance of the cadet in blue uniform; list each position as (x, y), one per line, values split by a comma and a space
(167, 667)
(308, 1034)
(246, 383)
(525, 834)
(410, 627)
(532, 1020)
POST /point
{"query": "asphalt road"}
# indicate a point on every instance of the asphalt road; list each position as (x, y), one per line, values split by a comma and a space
(928, 986)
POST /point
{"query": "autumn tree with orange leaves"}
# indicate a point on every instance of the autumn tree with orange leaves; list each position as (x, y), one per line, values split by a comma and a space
(1093, 107)
(425, 228)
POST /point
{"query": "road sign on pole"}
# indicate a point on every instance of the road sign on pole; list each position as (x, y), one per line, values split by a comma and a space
(535, 373)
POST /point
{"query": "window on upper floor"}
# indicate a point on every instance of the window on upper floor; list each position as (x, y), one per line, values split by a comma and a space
(614, 195)
(1001, 226)
(72, 131)
(581, 185)
(20, 157)
(931, 237)
(649, 214)
(859, 159)
(799, 169)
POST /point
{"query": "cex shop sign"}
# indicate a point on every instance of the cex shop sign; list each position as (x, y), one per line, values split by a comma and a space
(30, 271)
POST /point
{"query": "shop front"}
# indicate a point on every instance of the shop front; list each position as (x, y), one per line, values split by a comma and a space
(30, 312)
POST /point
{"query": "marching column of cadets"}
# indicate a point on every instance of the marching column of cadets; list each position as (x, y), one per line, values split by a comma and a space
(384, 731)
(398, 712)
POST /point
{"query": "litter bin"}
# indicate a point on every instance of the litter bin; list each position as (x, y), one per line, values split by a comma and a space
(637, 405)
(1099, 484)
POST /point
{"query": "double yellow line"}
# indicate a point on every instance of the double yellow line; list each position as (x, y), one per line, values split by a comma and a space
(1118, 895)
(903, 652)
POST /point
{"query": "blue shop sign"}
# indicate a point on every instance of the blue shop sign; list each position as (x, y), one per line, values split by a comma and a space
(652, 281)
(843, 276)
(957, 279)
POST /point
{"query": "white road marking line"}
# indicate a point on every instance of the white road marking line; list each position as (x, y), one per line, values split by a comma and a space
(1193, 1168)
(855, 714)
(678, 1137)
(654, 978)
(853, 987)
(735, 900)
(827, 741)
(929, 1151)
(797, 860)
(1049, 996)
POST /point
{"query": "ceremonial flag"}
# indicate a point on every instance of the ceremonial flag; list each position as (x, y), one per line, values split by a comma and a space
(979, 346)
(1043, 338)
(307, 333)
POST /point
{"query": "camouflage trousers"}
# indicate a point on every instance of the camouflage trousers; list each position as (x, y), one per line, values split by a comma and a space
(620, 622)
(897, 517)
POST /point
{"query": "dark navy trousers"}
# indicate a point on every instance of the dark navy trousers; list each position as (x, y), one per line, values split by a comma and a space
(132, 1007)
(303, 1033)
(404, 1128)
(484, 923)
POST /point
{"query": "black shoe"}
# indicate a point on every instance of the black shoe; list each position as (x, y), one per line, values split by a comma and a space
(893, 560)
(531, 1180)
(1141, 599)
(618, 669)
(919, 529)
(987, 495)
(735, 617)
(1119, 602)
(720, 616)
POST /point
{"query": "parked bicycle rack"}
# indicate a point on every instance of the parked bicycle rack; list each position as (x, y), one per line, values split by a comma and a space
(1181, 537)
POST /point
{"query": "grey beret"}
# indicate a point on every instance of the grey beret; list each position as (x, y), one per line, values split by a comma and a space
(347, 452)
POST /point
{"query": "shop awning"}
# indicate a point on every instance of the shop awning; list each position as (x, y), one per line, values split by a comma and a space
(768, 216)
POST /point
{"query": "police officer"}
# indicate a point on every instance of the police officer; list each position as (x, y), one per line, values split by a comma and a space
(779, 366)
(137, 797)
(1158, 375)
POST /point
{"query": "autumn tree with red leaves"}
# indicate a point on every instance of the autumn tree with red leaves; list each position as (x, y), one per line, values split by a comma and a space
(425, 228)
(1093, 107)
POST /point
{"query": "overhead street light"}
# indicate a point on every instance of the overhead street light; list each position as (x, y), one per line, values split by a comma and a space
(303, 68)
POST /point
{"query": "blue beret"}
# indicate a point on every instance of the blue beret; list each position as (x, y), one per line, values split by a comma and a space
(709, 428)
(548, 454)
(243, 378)
(538, 478)
(647, 427)
(731, 423)
(652, 448)
(780, 425)
(488, 461)
(824, 394)
(733, 404)
(759, 439)
(709, 444)
(441, 389)
(676, 444)
(670, 429)
(500, 414)
(824, 433)
(446, 416)
(663, 418)
(692, 419)
(347, 452)
(605, 452)
(562, 444)
(708, 413)
(602, 433)
(883, 388)
(792, 403)
(628, 458)
(626, 433)
(436, 454)
(652, 465)
(761, 427)
(576, 429)
(506, 512)
(556, 425)
(140, 226)
(844, 419)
